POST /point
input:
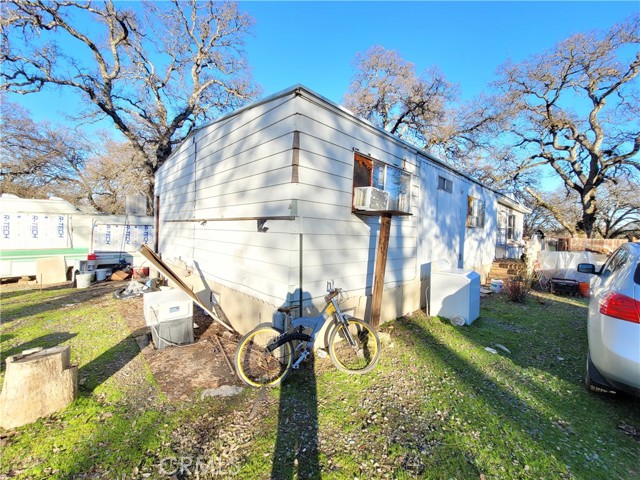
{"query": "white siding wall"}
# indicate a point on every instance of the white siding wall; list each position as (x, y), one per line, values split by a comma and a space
(339, 245)
(242, 167)
(441, 217)
(480, 242)
(443, 235)
(234, 169)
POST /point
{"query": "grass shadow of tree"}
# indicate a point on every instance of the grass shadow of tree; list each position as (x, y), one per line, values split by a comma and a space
(547, 332)
(15, 311)
(296, 451)
(532, 419)
(100, 369)
(44, 341)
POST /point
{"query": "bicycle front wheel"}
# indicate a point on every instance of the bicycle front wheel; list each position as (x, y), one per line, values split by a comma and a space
(358, 358)
(255, 364)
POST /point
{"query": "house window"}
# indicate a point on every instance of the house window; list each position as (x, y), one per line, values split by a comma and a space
(475, 212)
(445, 184)
(511, 227)
(362, 171)
(382, 177)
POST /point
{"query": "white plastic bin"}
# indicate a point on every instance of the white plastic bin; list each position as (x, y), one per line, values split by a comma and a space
(83, 280)
(455, 292)
(167, 305)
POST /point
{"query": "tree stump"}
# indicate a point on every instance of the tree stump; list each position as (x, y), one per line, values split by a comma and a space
(37, 383)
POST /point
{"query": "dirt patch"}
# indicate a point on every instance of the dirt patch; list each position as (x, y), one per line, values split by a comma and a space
(183, 371)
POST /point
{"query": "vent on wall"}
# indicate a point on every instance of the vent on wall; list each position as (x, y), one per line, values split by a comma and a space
(135, 205)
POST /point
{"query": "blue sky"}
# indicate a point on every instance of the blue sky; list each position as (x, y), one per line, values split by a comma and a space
(314, 43)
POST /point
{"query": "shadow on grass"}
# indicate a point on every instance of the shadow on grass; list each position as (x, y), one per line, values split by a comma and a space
(547, 333)
(296, 450)
(45, 341)
(26, 290)
(534, 422)
(6, 336)
(101, 368)
(12, 311)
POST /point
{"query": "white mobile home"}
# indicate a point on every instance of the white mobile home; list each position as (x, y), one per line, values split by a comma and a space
(267, 204)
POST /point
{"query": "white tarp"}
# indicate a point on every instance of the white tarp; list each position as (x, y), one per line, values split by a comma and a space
(29, 231)
(565, 264)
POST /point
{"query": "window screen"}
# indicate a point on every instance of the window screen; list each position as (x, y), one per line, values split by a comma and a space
(511, 227)
(393, 180)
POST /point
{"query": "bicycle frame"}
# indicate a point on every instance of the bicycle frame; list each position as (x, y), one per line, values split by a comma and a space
(319, 325)
(265, 355)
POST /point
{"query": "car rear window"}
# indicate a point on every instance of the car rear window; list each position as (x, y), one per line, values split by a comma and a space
(636, 276)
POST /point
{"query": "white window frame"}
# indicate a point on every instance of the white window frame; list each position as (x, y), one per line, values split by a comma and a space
(475, 212)
(403, 199)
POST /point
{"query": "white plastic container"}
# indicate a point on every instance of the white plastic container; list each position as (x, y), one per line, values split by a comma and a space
(496, 286)
(164, 306)
(455, 294)
(83, 280)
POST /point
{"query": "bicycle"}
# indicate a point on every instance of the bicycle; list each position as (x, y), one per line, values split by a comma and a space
(265, 356)
(539, 278)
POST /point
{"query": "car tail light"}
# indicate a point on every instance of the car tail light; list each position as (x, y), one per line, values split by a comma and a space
(620, 306)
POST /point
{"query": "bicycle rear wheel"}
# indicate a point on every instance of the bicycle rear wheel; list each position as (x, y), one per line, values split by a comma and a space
(258, 367)
(360, 358)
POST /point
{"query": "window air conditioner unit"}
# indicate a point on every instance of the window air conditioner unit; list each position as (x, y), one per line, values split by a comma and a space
(370, 198)
(473, 221)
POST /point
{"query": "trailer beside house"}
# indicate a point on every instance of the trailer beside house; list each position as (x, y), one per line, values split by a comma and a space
(265, 205)
(37, 229)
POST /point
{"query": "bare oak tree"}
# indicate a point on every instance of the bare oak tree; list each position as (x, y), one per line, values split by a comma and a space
(422, 109)
(155, 71)
(386, 91)
(619, 210)
(113, 171)
(39, 160)
(560, 211)
(576, 108)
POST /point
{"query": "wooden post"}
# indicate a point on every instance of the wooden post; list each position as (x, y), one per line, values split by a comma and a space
(381, 265)
(156, 240)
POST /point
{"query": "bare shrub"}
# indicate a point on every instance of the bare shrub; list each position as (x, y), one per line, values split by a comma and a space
(517, 289)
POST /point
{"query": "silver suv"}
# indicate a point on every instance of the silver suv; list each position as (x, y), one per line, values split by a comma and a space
(613, 361)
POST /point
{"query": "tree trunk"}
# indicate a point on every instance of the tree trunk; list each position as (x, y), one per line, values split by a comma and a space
(589, 209)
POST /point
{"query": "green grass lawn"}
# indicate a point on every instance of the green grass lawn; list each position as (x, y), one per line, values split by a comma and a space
(438, 405)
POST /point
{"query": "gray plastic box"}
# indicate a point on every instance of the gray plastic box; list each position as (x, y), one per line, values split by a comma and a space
(172, 332)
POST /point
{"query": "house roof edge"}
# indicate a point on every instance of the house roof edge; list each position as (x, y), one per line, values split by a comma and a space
(299, 89)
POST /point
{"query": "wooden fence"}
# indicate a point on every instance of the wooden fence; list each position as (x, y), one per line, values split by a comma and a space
(599, 245)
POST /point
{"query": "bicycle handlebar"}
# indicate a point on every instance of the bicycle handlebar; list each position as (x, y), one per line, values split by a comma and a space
(332, 294)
